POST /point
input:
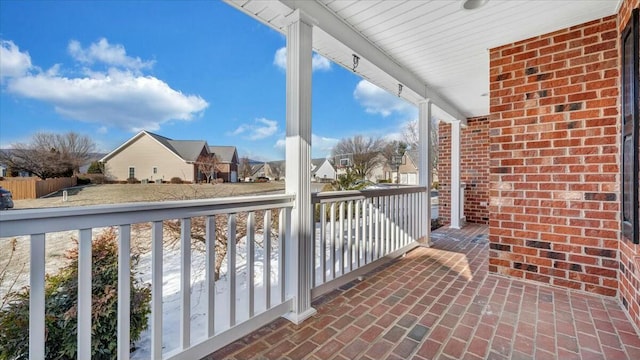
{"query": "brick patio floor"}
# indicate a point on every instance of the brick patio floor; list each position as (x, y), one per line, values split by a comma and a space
(441, 303)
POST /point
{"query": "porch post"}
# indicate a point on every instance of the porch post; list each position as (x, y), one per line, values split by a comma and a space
(424, 168)
(455, 174)
(298, 167)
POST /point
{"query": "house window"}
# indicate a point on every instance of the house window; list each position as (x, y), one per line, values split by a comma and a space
(630, 136)
(344, 162)
(155, 170)
(132, 172)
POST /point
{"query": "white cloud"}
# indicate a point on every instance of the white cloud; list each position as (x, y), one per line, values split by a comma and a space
(260, 129)
(103, 52)
(378, 101)
(318, 62)
(320, 146)
(280, 58)
(102, 130)
(114, 98)
(13, 62)
(280, 144)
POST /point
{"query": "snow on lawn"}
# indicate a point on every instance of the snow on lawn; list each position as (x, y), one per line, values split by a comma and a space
(171, 307)
(171, 287)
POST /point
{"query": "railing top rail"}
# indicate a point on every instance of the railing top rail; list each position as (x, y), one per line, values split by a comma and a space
(331, 196)
(39, 221)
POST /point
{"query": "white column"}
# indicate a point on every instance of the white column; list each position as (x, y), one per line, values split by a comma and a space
(298, 167)
(424, 168)
(455, 175)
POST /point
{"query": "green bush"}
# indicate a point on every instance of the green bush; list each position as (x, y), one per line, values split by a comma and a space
(61, 291)
(96, 167)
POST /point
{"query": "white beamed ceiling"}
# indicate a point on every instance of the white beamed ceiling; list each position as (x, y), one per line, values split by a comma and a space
(439, 44)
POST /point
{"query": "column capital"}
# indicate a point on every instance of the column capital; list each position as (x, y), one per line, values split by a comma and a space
(426, 101)
(300, 16)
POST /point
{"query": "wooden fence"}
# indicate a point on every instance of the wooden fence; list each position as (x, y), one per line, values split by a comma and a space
(33, 188)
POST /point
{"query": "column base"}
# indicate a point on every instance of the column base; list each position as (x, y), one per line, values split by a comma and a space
(299, 318)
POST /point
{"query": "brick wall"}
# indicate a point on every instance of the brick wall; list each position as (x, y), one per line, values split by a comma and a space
(474, 170)
(629, 253)
(444, 172)
(554, 134)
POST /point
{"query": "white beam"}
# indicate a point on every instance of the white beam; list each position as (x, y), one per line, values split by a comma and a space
(455, 175)
(342, 32)
(424, 168)
(298, 167)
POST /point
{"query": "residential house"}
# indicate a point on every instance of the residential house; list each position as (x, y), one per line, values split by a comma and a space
(322, 170)
(408, 170)
(152, 157)
(228, 161)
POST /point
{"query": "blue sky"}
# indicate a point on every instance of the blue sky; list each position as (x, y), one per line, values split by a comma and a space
(188, 70)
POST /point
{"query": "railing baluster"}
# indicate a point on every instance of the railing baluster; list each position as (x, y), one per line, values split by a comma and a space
(266, 270)
(251, 230)
(332, 240)
(36, 297)
(340, 258)
(349, 234)
(124, 291)
(387, 225)
(185, 282)
(370, 232)
(210, 272)
(156, 290)
(323, 241)
(285, 215)
(376, 226)
(358, 239)
(84, 294)
(231, 267)
(314, 241)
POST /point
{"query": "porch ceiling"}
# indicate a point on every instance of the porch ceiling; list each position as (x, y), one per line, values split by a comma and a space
(435, 48)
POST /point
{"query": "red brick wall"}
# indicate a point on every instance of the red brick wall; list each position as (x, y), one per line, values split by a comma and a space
(474, 170)
(554, 125)
(629, 253)
(444, 172)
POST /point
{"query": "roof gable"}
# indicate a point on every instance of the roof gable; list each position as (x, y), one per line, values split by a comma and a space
(226, 154)
(186, 150)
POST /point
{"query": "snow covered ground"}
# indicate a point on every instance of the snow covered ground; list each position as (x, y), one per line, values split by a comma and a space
(171, 294)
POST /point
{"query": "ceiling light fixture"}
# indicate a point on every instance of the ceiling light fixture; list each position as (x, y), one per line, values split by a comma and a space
(356, 62)
(399, 89)
(473, 4)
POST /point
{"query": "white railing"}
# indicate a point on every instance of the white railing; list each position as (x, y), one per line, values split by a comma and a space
(357, 230)
(261, 304)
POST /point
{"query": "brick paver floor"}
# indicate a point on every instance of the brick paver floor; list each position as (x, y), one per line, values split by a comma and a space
(441, 303)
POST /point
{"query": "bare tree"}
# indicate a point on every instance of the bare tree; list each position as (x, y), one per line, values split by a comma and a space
(50, 155)
(208, 165)
(411, 136)
(363, 153)
(245, 168)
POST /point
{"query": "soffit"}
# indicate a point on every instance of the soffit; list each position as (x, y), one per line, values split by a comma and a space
(438, 42)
